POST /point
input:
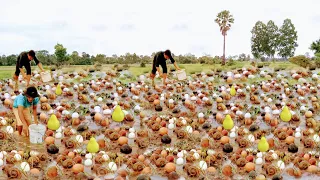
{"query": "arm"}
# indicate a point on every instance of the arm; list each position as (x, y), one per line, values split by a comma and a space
(176, 66)
(21, 116)
(38, 63)
(40, 66)
(35, 114)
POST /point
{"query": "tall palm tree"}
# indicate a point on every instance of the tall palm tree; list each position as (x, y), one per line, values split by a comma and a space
(224, 20)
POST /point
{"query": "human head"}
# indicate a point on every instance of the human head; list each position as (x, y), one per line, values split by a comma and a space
(168, 55)
(31, 93)
(31, 55)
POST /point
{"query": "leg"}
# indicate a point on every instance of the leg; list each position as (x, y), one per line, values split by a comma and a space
(16, 79)
(153, 74)
(165, 71)
(28, 80)
(27, 117)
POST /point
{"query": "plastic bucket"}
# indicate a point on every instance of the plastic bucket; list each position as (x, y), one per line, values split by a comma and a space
(181, 74)
(36, 133)
(45, 76)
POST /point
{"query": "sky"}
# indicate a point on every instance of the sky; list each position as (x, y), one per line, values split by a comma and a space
(146, 26)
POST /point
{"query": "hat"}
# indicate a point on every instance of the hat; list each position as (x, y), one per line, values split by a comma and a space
(32, 92)
(168, 53)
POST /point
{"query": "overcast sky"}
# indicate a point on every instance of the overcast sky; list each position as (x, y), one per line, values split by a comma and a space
(146, 26)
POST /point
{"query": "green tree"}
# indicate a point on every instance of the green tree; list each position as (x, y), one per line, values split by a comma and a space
(272, 39)
(224, 20)
(61, 54)
(287, 39)
(315, 46)
(259, 39)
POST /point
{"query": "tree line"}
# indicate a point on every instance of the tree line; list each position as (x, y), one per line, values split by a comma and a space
(61, 57)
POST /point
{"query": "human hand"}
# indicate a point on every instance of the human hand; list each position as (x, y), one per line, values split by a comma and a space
(178, 69)
(25, 130)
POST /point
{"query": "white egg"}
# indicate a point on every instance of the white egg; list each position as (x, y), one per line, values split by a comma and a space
(180, 154)
(239, 113)
(88, 162)
(25, 166)
(34, 153)
(232, 134)
(4, 153)
(89, 156)
(112, 166)
(73, 131)
(276, 111)
(137, 108)
(259, 161)
(14, 151)
(196, 155)
(184, 122)
(297, 134)
(171, 101)
(171, 121)
(259, 154)
(171, 126)
(180, 161)
(3, 122)
(79, 138)
(193, 98)
(17, 157)
(105, 157)
(251, 138)
(58, 135)
(203, 165)
(247, 115)
(100, 99)
(1, 162)
(131, 135)
(1, 155)
(210, 152)
(281, 164)
(9, 129)
(189, 129)
(274, 155)
(316, 138)
(106, 111)
(132, 130)
(298, 129)
(200, 115)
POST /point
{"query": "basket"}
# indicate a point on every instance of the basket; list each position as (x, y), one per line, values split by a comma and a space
(181, 74)
(36, 133)
(45, 76)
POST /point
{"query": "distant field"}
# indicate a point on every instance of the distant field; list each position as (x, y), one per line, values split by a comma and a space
(7, 71)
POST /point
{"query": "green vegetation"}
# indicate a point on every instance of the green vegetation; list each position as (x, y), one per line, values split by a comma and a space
(268, 39)
(301, 60)
(136, 70)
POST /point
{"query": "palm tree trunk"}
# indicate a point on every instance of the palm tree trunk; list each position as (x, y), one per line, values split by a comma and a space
(224, 50)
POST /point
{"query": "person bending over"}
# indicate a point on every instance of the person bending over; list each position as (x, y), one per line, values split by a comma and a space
(21, 109)
(24, 60)
(160, 60)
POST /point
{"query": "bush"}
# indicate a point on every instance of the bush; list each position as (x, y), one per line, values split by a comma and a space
(301, 60)
(230, 62)
(98, 66)
(126, 66)
(142, 64)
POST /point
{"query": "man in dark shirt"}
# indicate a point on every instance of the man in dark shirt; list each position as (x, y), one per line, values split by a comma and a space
(160, 59)
(24, 60)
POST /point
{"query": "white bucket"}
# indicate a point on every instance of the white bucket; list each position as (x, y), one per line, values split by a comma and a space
(36, 133)
(181, 74)
(45, 76)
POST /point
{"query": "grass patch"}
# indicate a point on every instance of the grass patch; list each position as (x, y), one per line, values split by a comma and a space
(136, 70)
